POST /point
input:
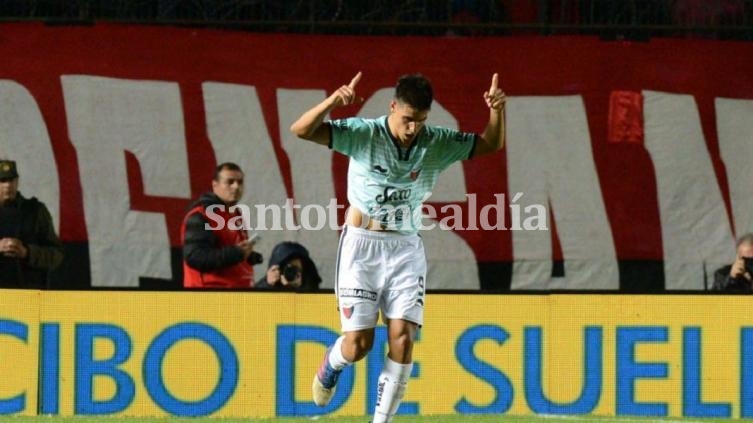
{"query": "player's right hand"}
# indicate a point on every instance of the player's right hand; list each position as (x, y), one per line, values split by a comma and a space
(346, 94)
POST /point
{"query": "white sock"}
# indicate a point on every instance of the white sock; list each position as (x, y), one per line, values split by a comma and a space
(336, 359)
(391, 389)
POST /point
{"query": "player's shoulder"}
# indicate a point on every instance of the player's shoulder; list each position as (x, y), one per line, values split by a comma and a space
(444, 135)
(355, 123)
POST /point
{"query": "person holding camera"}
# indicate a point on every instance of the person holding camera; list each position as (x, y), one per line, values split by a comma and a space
(29, 246)
(290, 268)
(739, 275)
(216, 252)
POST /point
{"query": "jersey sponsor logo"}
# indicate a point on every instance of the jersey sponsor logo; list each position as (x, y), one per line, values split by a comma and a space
(380, 169)
(358, 293)
(393, 194)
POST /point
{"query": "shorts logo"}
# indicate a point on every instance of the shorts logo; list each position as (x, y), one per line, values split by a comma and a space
(420, 300)
(348, 311)
(358, 293)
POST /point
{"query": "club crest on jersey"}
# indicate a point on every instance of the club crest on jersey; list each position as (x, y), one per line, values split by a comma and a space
(348, 311)
(414, 174)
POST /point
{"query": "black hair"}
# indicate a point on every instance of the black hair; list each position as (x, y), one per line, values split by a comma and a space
(414, 90)
(225, 166)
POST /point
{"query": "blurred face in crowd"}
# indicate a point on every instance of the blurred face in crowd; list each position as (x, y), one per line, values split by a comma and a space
(228, 186)
(745, 249)
(8, 190)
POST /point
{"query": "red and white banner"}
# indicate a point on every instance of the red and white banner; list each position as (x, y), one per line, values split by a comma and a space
(641, 152)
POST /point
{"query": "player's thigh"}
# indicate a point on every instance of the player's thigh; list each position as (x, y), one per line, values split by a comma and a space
(359, 276)
(404, 295)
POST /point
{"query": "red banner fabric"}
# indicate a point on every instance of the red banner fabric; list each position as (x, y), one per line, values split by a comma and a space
(617, 83)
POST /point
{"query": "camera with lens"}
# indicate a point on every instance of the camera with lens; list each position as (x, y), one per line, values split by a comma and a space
(748, 264)
(291, 272)
(255, 258)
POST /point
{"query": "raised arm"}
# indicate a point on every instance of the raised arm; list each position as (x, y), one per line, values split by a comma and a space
(310, 125)
(493, 138)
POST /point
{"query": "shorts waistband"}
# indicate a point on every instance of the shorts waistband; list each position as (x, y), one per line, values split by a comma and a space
(380, 235)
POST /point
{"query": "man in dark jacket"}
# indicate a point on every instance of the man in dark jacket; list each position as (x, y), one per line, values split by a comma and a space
(29, 247)
(290, 268)
(216, 252)
(737, 276)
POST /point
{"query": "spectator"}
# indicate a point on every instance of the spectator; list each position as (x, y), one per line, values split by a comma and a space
(29, 247)
(290, 268)
(738, 275)
(218, 255)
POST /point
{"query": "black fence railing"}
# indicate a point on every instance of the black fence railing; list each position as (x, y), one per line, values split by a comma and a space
(631, 19)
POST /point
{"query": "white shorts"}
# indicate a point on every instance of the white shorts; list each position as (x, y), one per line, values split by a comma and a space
(379, 271)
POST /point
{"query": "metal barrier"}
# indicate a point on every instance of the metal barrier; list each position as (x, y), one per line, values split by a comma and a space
(629, 19)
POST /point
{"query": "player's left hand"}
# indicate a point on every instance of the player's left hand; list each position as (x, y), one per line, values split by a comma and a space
(495, 97)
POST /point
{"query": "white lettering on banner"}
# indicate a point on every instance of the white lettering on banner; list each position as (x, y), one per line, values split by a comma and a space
(311, 170)
(549, 158)
(106, 117)
(239, 134)
(734, 124)
(24, 138)
(695, 231)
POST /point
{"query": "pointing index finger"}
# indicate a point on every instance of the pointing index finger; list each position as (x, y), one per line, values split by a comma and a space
(355, 80)
(495, 82)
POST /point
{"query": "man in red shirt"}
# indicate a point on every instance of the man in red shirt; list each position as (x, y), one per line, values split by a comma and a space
(221, 257)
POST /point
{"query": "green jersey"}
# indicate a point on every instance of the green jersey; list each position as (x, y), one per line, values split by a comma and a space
(388, 182)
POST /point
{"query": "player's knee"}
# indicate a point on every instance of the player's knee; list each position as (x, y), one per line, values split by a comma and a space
(362, 350)
(357, 347)
(401, 347)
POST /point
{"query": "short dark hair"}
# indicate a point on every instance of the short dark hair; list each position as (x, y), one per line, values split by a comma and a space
(745, 239)
(225, 166)
(414, 90)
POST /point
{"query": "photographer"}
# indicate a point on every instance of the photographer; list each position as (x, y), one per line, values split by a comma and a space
(739, 275)
(221, 257)
(290, 268)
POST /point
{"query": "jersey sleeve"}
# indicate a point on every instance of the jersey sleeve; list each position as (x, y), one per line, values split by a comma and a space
(454, 145)
(350, 136)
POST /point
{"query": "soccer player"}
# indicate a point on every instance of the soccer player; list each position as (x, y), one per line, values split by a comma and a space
(394, 163)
